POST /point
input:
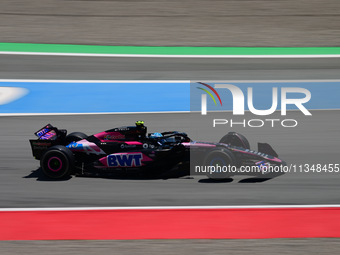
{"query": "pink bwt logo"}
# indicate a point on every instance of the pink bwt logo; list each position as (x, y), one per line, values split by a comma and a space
(238, 99)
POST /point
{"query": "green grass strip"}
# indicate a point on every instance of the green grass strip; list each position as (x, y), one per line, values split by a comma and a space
(94, 49)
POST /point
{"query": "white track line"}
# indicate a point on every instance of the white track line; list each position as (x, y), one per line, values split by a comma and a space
(82, 113)
(96, 81)
(120, 113)
(169, 208)
(165, 56)
(165, 81)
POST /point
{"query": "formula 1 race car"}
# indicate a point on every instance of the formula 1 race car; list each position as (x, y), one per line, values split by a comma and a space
(131, 149)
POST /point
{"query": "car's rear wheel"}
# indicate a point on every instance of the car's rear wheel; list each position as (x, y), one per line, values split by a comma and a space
(220, 164)
(57, 162)
(75, 137)
(235, 139)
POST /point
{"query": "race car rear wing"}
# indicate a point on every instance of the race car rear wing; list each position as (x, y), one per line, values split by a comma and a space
(48, 132)
(48, 136)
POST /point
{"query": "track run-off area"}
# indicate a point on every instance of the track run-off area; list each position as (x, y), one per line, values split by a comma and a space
(315, 140)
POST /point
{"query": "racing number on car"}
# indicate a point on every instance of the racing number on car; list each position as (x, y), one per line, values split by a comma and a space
(124, 160)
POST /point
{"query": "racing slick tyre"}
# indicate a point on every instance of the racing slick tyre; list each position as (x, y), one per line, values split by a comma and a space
(235, 139)
(74, 137)
(57, 162)
(219, 163)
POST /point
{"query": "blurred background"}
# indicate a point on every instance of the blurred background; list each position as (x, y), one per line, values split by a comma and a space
(301, 23)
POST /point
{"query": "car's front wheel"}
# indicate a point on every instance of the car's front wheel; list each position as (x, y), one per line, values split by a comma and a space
(220, 164)
(57, 162)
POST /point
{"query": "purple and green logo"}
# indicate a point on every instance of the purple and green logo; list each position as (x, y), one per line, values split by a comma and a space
(204, 97)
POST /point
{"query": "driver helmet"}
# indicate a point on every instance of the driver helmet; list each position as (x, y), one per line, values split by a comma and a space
(140, 123)
(141, 129)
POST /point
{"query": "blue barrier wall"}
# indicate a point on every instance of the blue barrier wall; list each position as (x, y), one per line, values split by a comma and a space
(75, 97)
(80, 97)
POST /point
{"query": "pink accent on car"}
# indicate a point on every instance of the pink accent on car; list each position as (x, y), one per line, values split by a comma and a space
(49, 135)
(109, 136)
(261, 155)
(87, 147)
(275, 159)
(103, 161)
(134, 143)
(83, 141)
(60, 164)
(198, 144)
(94, 147)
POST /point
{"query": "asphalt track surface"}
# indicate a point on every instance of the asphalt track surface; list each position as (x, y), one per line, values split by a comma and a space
(310, 246)
(107, 68)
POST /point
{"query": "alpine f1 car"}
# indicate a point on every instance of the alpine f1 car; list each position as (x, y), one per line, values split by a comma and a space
(130, 148)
